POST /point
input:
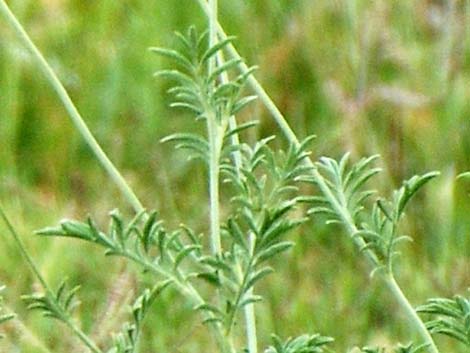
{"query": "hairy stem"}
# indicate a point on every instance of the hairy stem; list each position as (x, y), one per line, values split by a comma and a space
(344, 213)
(34, 268)
(74, 115)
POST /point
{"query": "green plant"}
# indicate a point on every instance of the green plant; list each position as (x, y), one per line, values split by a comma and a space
(219, 277)
(452, 317)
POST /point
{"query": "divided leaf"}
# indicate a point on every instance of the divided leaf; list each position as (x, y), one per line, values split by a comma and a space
(450, 317)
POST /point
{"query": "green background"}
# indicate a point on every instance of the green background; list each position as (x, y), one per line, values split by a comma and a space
(369, 77)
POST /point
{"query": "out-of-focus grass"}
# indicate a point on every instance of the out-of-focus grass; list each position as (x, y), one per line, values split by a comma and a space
(386, 77)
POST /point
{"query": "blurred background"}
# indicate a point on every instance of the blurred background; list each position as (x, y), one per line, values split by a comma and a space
(386, 77)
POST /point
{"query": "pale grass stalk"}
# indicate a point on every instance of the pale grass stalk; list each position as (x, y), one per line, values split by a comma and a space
(32, 265)
(70, 107)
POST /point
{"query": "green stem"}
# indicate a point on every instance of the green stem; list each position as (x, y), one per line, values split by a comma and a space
(187, 289)
(411, 313)
(344, 213)
(215, 142)
(65, 317)
(70, 108)
(250, 314)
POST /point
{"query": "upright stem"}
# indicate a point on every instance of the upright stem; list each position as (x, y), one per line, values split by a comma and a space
(215, 141)
(344, 214)
(213, 4)
(214, 131)
(249, 310)
(66, 319)
(74, 115)
(250, 314)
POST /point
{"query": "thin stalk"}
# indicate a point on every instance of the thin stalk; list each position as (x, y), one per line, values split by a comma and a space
(215, 144)
(213, 5)
(344, 213)
(254, 84)
(34, 268)
(213, 131)
(248, 310)
(74, 115)
(411, 312)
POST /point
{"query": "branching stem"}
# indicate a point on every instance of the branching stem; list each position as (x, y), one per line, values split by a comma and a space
(342, 212)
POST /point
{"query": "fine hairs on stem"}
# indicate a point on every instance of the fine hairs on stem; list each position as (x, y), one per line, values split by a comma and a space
(220, 278)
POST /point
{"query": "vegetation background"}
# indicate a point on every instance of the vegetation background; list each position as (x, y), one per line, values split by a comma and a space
(387, 76)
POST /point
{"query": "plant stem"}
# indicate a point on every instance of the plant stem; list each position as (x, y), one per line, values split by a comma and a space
(344, 213)
(249, 310)
(214, 131)
(215, 143)
(74, 115)
(410, 311)
(65, 317)
(253, 82)
(187, 289)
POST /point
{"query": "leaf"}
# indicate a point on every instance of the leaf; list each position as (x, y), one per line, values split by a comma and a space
(450, 317)
(302, 344)
(272, 251)
(465, 175)
(241, 104)
(185, 253)
(257, 276)
(173, 55)
(411, 187)
(214, 49)
(228, 65)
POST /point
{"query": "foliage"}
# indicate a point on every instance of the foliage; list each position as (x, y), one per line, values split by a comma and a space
(450, 317)
(376, 233)
(127, 340)
(59, 305)
(265, 205)
(302, 344)
(408, 348)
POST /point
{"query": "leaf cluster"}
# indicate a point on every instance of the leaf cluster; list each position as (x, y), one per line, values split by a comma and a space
(375, 232)
(450, 317)
(408, 348)
(145, 242)
(303, 344)
(264, 188)
(58, 305)
(127, 340)
(197, 87)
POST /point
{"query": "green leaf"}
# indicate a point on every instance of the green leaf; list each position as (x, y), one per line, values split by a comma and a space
(173, 55)
(214, 49)
(257, 276)
(411, 187)
(272, 251)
